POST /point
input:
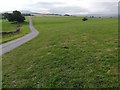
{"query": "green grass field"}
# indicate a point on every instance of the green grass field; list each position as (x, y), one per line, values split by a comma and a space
(67, 53)
(7, 26)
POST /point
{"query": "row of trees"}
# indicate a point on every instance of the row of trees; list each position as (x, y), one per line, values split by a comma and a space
(15, 16)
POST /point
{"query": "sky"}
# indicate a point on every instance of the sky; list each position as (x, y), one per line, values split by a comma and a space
(74, 7)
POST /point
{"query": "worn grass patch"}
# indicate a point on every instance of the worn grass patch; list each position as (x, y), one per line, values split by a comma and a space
(67, 53)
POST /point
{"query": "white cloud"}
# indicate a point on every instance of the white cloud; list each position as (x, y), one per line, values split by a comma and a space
(62, 6)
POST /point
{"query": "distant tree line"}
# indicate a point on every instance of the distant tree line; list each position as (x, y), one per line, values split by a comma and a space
(0, 16)
(66, 15)
(54, 14)
(92, 16)
(15, 16)
(27, 14)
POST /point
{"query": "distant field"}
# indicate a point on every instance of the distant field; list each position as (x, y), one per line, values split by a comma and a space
(67, 53)
(7, 26)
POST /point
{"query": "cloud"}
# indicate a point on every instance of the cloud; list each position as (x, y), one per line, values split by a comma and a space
(78, 7)
(68, 9)
(105, 7)
(48, 4)
(44, 7)
(63, 6)
(59, 7)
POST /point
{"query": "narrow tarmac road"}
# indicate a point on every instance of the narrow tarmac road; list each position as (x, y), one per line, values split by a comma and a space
(4, 48)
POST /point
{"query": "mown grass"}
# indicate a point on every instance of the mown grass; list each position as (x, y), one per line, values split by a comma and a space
(8, 26)
(67, 53)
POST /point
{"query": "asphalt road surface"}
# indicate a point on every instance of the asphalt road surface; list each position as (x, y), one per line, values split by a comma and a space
(7, 47)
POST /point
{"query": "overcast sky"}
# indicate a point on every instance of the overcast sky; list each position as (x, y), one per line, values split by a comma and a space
(62, 6)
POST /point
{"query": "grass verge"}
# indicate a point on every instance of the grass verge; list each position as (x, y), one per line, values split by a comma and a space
(7, 26)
